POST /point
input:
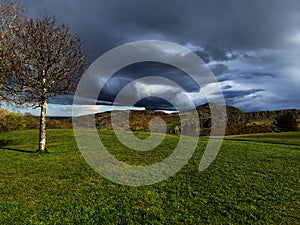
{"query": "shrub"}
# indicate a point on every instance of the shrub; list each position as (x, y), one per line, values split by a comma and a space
(16, 121)
(286, 122)
(11, 121)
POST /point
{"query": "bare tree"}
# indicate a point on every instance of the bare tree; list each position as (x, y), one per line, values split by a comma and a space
(11, 14)
(49, 62)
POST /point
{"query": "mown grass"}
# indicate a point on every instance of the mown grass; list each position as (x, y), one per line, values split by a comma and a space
(286, 138)
(248, 183)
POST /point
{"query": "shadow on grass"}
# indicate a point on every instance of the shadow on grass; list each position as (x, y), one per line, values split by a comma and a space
(18, 150)
(4, 143)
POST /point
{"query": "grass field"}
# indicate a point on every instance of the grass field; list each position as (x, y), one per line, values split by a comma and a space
(286, 138)
(250, 182)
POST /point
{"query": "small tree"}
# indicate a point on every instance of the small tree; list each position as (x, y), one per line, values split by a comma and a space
(286, 122)
(49, 62)
(11, 14)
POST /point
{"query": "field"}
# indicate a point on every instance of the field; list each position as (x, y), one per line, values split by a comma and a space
(254, 180)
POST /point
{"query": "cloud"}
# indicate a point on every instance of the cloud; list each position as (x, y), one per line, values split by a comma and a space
(252, 47)
(231, 24)
(137, 71)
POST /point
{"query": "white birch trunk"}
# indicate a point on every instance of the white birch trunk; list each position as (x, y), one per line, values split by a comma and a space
(42, 143)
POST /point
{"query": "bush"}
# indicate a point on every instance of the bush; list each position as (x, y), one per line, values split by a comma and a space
(286, 122)
(10, 121)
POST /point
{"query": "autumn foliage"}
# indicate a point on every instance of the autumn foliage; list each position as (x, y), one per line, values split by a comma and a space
(10, 121)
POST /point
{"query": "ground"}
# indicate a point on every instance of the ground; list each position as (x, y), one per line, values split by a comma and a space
(253, 180)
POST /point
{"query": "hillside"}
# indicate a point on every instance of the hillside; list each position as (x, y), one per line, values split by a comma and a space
(238, 122)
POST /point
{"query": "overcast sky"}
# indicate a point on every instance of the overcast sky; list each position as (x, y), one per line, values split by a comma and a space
(253, 47)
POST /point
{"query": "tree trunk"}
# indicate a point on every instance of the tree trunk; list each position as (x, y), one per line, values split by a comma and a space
(42, 143)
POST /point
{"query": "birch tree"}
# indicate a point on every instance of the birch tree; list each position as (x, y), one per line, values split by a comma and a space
(49, 62)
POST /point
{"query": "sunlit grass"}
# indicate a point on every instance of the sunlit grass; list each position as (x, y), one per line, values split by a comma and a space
(248, 183)
(287, 138)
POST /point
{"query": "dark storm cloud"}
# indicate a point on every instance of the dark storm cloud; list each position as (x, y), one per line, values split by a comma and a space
(139, 70)
(244, 42)
(204, 56)
(225, 24)
(219, 69)
(226, 75)
(227, 87)
(62, 99)
(216, 53)
(229, 95)
(262, 74)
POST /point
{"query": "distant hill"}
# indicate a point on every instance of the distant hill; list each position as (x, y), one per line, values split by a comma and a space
(238, 122)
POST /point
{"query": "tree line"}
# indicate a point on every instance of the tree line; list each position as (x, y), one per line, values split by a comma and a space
(39, 59)
(10, 121)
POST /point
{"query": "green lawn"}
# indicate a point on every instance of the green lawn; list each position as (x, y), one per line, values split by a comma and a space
(248, 183)
(286, 138)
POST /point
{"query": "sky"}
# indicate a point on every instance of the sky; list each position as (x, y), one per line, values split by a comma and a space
(252, 47)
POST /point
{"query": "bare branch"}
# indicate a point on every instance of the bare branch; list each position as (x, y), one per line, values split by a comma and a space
(11, 14)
